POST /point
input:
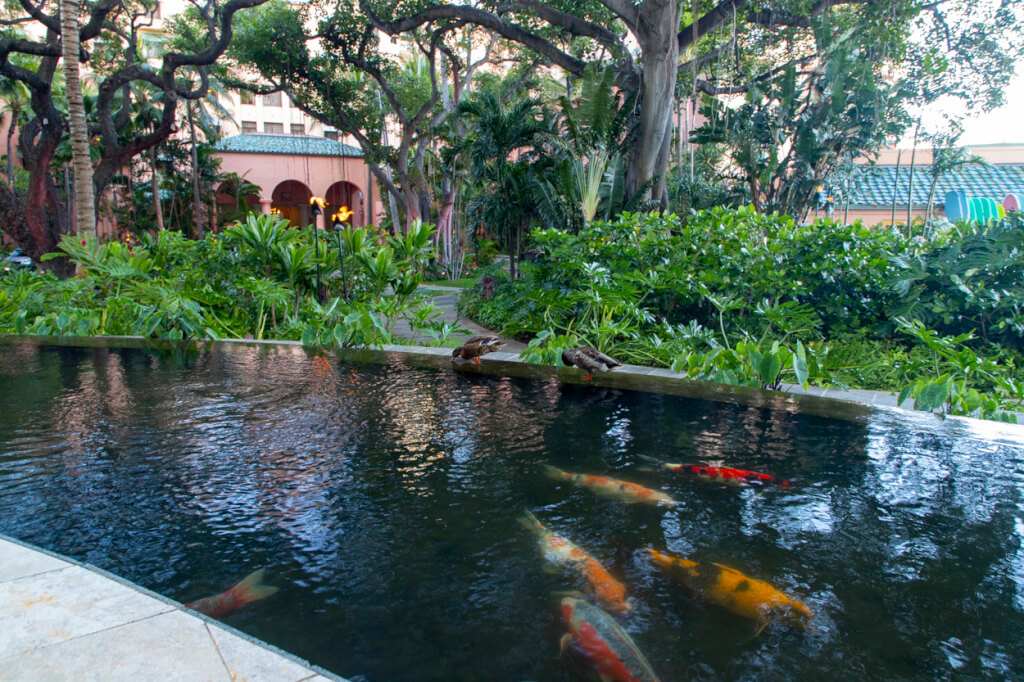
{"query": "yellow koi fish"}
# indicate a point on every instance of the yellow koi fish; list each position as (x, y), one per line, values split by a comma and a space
(561, 552)
(732, 590)
(631, 493)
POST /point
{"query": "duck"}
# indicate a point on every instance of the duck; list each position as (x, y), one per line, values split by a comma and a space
(590, 360)
(476, 347)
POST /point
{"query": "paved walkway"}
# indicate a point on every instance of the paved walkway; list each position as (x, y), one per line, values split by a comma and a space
(446, 298)
(61, 620)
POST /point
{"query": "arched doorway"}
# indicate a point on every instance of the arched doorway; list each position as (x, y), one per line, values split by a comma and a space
(291, 201)
(235, 201)
(347, 194)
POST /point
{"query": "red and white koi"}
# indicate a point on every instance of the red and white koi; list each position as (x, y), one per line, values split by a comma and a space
(631, 493)
(719, 474)
(250, 589)
(608, 648)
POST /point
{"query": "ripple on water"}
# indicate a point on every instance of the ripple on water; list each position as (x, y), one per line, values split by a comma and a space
(383, 502)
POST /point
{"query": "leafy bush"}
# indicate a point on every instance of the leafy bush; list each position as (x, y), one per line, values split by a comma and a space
(256, 280)
(741, 297)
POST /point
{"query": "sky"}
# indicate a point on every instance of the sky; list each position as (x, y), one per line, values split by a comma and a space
(1002, 126)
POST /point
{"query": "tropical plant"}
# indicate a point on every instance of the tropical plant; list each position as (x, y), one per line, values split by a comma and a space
(948, 384)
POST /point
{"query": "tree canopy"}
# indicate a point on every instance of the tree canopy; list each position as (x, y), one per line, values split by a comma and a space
(113, 46)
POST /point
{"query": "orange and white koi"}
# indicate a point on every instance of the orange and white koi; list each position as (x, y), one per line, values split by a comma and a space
(732, 590)
(562, 552)
(608, 648)
(631, 493)
(719, 474)
(250, 589)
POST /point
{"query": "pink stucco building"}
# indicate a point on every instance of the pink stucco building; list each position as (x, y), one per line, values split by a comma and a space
(289, 169)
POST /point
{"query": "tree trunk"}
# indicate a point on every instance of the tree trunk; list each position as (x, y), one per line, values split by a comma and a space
(896, 187)
(910, 191)
(660, 48)
(84, 201)
(931, 198)
(158, 208)
(195, 173)
(10, 154)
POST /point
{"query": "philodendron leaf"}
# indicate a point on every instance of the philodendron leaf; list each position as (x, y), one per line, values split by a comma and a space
(800, 364)
(905, 393)
(770, 366)
(933, 395)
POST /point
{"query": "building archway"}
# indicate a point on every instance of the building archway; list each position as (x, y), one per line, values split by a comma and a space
(345, 193)
(290, 200)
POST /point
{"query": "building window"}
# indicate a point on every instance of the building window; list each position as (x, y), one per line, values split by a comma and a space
(272, 100)
(246, 97)
(331, 135)
(273, 127)
(248, 126)
(298, 129)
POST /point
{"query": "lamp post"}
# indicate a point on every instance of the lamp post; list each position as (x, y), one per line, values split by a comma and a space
(317, 208)
(338, 222)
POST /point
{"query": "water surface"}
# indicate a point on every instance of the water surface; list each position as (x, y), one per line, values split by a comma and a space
(383, 502)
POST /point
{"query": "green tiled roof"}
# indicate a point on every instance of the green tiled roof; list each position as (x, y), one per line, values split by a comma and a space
(875, 186)
(302, 145)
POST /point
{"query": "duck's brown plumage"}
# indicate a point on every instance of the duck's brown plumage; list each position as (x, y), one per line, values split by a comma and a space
(475, 347)
(589, 359)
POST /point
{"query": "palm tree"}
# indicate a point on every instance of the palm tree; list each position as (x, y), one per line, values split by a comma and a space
(501, 132)
(207, 112)
(148, 106)
(84, 203)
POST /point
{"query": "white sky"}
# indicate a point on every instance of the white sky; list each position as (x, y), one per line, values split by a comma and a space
(1002, 126)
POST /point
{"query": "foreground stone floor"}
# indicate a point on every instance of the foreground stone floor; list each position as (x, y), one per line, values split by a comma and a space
(61, 620)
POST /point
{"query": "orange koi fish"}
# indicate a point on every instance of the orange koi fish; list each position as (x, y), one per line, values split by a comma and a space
(561, 552)
(719, 474)
(632, 493)
(249, 590)
(607, 647)
(732, 590)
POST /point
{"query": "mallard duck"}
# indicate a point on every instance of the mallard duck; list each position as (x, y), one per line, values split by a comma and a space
(589, 359)
(475, 347)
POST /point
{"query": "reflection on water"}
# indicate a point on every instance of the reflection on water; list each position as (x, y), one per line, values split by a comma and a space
(383, 501)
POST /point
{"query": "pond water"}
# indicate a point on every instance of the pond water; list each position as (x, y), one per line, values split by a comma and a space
(383, 502)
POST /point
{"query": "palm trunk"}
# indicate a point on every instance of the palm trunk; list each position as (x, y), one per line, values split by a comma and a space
(155, 181)
(896, 187)
(195, 174)
(10, 153)
(85, 208)
(910, 191)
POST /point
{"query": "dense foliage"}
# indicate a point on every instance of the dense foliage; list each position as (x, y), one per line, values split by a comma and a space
(256, 280)
(743, 297)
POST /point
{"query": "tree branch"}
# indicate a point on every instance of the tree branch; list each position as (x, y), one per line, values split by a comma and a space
(481, 18)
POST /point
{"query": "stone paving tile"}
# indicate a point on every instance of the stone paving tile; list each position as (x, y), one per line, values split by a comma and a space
(60, 605)
(167, 647)
(20, 562)
(502, 356)
(247, 661)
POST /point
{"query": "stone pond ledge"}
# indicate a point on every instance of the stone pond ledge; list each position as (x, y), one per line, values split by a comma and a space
(64, 620)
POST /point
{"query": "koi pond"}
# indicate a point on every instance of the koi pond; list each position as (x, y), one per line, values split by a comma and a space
(387, 504)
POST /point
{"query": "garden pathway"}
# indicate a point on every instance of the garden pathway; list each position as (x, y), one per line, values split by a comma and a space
(446, 298)
(63, 620)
